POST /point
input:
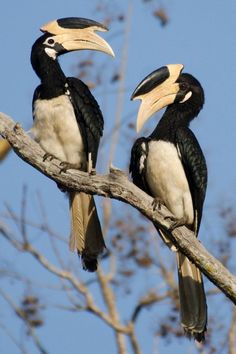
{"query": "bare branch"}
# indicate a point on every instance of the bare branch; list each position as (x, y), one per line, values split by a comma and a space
(133, 340)
(120, 92)
(14, 340)
(65, 275)
(146, 301)
(232, 334)
(21, 314)
(116, 185)
(109, 299)
(23, 212)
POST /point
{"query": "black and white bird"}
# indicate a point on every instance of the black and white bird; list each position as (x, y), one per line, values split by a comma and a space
(170, 166)
(68, 122)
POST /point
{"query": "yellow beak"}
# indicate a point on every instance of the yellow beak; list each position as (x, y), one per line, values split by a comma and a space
(159, 96)
(80, 37)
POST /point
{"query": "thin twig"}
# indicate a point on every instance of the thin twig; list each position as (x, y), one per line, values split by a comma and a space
(23, 317)
(109, 299)
(23, 213)
(133, 340)
(13, 339)
(146, 301)
(120, 93)
(232, 334)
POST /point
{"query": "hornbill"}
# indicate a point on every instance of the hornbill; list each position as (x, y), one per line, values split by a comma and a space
(170, 166)
(68, 122)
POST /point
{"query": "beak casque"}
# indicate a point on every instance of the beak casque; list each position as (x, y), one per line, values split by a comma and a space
(156, 91)
(75, 33)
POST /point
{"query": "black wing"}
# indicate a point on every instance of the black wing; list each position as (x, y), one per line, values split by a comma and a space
(195, 169)
(88, 115)
(36, 96)
(138, 163)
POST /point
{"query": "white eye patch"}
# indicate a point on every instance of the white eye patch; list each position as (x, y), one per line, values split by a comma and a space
(49, 41)
(186, 97)
(51, 53)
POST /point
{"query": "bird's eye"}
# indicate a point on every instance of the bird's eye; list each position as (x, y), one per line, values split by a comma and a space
(50, 41)
(183, 86)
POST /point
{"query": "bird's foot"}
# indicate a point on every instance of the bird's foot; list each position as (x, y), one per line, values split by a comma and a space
(174, 222)
(48, 157)
(69, 166)
(156, 204)
(93, 172)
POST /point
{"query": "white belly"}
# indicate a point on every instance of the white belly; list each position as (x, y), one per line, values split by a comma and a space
(55, 128)
(167, 180)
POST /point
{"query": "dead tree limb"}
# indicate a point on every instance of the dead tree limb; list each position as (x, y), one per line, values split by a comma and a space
(117, 185)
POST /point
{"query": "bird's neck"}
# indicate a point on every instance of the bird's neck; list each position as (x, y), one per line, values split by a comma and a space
(52, 77)
(171, 120)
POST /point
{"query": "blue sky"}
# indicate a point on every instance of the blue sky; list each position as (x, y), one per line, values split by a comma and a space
(201, 35)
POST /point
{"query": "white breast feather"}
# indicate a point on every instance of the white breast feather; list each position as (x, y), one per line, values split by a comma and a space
(167, 180)
(142, 159)
(141, 163)
(55, 128)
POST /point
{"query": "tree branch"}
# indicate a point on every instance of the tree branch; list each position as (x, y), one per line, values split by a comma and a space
(147, 300)
(23, 317)
(109, 299)
(64, 275)
(116, 185)
(231, 335)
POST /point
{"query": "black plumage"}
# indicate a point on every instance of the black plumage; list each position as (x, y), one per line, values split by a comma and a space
(170, 166)
(88, 115)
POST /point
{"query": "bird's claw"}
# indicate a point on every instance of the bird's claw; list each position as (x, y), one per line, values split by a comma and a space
(156, 204)
(69, 166)
(64, 166)
(174, 222)
(93, 172)
(48, 157)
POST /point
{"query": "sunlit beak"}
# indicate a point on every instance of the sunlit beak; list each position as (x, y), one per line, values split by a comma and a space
(156, 91)
(77, 34)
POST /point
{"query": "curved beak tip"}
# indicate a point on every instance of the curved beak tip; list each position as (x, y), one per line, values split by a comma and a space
(112, 54)
(139, 125)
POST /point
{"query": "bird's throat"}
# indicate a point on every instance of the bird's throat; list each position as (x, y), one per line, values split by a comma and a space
(52, 77)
